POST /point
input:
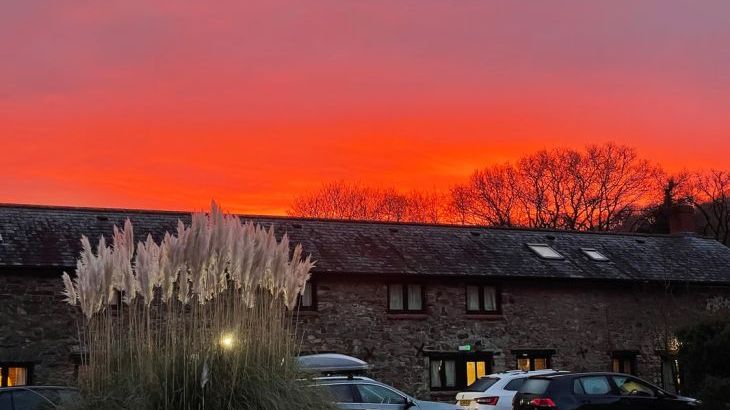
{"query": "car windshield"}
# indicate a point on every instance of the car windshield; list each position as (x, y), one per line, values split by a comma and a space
(482, 384)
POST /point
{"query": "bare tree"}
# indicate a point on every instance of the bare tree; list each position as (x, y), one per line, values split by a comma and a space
(596, 189)
(711, 197)
(342, 200)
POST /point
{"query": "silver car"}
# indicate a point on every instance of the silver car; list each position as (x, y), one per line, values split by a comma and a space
(362, 393)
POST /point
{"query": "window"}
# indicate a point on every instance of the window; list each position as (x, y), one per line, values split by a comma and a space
(456, 371)
(623, 361)
(592, 386)
(628, 386)
(528, 360)
(544, 251)
(482, 384)
(371, 393)
(515, 384)
(308, 299)
(594, 254)
(482, 299)
(405, 298)
(341, 393)
(14, 375)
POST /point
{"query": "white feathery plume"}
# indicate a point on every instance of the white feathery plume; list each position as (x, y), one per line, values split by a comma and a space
(69, 290)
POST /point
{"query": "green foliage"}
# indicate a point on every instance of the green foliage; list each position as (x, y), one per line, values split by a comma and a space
(704, 356)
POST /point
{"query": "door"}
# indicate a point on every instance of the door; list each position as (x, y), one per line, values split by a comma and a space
(377, 397)
(596, 393)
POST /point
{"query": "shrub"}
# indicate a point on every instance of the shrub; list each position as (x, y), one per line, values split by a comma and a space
(705, 362)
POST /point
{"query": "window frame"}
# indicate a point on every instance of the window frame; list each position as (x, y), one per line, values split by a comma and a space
(404, 290)
(4, 370)
(313, 289)
(532, 354)
(460, 360)
(481, 311)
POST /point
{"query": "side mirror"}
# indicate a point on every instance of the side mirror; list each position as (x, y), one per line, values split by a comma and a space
(409, 403)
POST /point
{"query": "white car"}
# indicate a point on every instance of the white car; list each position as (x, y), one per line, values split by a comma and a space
(495, 391)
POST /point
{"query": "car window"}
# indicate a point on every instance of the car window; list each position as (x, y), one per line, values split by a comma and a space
(628, 386)
(482, 384)
(342, 393)
(515, 384)
(534, 386)
(370, 393)
(5, 400)
(592, 385)
(30, 400)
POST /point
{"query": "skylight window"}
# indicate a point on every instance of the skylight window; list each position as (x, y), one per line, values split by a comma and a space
(594, 254)
(544, 251)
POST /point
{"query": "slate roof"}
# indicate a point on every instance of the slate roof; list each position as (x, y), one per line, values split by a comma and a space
(41, 236)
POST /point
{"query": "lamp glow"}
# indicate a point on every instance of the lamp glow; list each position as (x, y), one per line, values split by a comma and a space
(227, 341)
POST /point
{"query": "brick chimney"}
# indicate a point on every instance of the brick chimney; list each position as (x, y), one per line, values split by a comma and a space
(682, 219)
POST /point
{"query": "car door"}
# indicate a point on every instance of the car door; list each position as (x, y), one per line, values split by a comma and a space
(344, 395)
(377, 397)
(637, 394)
(595, 392)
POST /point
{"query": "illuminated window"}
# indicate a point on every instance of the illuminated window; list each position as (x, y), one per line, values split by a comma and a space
(456, 371)
(14, 375)
(528, 360)
(405, 298)
(623, 361)
(544, 251)
(594, 254)
(308, 299)
(481, 299)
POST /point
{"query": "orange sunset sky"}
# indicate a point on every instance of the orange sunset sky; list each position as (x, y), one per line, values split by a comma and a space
(167, 104)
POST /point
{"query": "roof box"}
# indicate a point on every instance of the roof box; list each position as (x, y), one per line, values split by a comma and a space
(332, 363)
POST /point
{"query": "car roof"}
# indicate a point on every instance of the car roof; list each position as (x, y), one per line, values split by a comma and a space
(37, 387)
(572, 374)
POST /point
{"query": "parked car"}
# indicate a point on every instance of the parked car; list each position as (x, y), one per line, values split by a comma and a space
(36, 397)
(589, 391)
(342, 376)
(495, 391)
(362, 393)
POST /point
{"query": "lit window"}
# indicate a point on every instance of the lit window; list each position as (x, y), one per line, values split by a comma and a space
(307, 300)
(544, 251)
(594, 254)
(456, 371)
(623, 362)
(528, 360)
(481, 299)
(405, 298)
(13, 375)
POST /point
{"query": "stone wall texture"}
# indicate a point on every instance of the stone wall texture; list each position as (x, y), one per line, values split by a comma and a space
(582, 321)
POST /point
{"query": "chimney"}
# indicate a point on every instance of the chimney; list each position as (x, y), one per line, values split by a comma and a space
(682, 219)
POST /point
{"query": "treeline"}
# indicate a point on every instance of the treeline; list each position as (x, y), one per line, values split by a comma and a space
(600, 188)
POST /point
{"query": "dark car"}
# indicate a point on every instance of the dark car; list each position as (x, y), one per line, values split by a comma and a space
(36, 397)
(596, 391)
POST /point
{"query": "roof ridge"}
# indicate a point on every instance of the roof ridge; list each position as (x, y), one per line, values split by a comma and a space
(348, 221)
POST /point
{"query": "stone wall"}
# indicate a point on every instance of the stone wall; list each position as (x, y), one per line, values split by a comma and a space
(583, 322)
(36, 326)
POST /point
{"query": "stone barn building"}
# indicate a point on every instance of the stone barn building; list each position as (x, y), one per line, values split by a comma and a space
(432, 307)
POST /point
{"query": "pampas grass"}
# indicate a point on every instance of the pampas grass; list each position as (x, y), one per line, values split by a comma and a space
(203, 321)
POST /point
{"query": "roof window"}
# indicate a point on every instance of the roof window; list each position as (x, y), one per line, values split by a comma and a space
(594, 254)
(544, 251)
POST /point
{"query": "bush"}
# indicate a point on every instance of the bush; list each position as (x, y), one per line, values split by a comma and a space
(704, 356)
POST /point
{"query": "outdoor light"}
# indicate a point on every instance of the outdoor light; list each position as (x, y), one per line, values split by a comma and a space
(227, 341)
